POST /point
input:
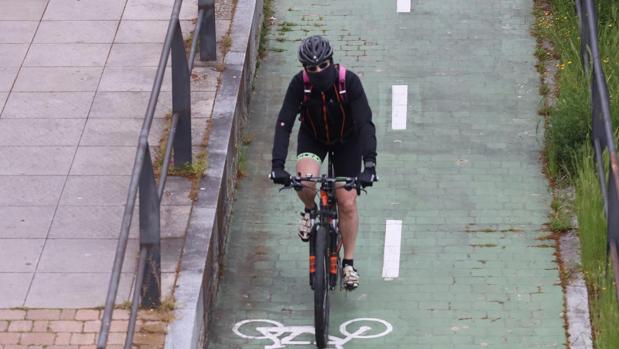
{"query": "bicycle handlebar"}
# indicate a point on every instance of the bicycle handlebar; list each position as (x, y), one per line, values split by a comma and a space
(350, 183)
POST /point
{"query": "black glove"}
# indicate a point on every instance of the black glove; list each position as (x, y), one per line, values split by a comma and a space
(368, 176)
(280, 176)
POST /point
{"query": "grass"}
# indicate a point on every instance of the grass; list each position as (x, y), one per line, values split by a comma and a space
(560, 219)
(590, 210)
(568, 154)
(267, 11)
(568, 123)
(166, 309)
(188, 41)
(285, 27)
(226, 43)
(192, 171)
(245, 142)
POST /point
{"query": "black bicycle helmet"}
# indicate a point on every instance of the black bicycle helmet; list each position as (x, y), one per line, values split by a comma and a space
(315, 50)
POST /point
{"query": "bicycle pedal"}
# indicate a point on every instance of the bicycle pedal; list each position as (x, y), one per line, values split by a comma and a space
(349, 288)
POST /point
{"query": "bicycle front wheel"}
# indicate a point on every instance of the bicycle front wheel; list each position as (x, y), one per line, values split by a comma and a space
(321, 289)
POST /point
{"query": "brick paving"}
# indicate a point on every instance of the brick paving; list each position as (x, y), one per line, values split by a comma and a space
(76, 329)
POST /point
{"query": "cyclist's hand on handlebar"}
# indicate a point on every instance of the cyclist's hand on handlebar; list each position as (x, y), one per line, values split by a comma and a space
(280, 176)
(368, 176)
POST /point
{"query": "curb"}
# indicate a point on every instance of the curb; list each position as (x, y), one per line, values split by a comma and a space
(208, 224)
(576, 295)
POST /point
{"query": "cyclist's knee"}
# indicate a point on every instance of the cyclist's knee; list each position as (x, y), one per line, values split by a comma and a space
(308, 166)
(347, 205)
(309, 188)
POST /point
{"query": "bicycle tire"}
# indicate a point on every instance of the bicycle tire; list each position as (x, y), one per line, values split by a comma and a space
(321, 290)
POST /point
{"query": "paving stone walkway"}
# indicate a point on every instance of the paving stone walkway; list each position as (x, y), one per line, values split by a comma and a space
(464, 178)
(75, 79)
(76, 329)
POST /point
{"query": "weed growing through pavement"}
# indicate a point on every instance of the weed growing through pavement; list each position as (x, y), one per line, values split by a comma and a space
(226, 43)
(245, 142)
(560, 218)
(267, 11)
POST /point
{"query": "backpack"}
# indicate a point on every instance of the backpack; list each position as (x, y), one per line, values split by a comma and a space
(341, 96)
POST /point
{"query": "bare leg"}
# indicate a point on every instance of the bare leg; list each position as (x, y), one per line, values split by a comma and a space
(305, 167)
(349, 220)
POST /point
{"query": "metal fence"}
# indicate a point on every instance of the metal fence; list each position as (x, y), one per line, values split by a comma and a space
(147, 287)
(602, 129)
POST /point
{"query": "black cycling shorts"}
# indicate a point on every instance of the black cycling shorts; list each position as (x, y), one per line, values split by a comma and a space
(347, 156)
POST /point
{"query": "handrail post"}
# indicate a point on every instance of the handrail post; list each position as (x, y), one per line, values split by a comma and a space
(208, 44)
(150, 235)
(181, 100)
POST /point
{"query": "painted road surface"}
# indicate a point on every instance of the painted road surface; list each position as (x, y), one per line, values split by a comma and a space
(461, 204)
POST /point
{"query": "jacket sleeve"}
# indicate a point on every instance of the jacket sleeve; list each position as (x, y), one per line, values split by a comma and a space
(285, 121)
(362, 114)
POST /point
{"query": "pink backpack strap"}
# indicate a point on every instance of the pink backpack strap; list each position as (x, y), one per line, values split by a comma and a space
(342, 81)
(307, 87)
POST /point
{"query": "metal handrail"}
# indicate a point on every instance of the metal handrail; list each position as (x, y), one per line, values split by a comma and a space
(147, 287)
(602, 130)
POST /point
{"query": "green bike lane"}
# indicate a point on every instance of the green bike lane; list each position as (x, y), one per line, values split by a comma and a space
(463, 178)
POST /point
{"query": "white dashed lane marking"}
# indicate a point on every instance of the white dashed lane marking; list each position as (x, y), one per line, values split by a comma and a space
(393, 240)
(404, 6)
(399, 106)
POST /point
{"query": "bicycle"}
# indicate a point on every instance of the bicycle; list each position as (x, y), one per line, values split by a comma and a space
(325, 244)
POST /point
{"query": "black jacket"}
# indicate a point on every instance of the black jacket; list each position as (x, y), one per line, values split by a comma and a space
(336, 123)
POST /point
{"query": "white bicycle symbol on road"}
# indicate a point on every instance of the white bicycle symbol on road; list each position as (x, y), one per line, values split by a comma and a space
(274, 331)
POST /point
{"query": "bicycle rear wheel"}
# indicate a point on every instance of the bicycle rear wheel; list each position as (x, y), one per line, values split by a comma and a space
(321, 289)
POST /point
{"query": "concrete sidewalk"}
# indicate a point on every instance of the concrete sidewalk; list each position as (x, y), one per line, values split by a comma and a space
(462, 179)
(75, 78)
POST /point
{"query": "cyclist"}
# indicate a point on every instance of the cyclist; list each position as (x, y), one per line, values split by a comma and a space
(335, 115)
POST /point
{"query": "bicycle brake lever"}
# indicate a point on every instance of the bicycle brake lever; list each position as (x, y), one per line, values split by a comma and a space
(360, 188)
(296, 184)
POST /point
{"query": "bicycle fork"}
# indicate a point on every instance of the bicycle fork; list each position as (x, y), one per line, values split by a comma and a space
(333, 262)
(334, 256)
(312, 254)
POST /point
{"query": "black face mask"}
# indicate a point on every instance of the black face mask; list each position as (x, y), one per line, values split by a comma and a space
(324, 79)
